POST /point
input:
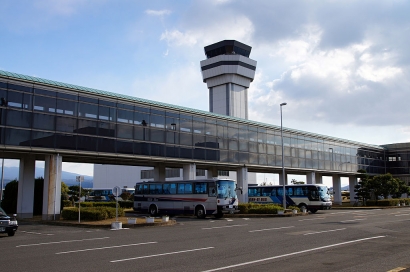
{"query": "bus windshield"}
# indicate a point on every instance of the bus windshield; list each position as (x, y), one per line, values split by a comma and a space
(226, 189)
(324, 192)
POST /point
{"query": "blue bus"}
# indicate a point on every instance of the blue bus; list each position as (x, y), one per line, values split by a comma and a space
(312, 197)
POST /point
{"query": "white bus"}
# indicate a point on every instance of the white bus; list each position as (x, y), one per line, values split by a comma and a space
(196, 197)
(105, 194)
(312, 197)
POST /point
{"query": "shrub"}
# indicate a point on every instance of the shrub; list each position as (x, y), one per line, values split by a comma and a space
(294, 208)
(383, 202)
(126, 204)
(67, 203)
(254, 208)
(91, 213)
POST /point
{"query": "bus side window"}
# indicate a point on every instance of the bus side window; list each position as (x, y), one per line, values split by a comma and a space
(173, 188)
(145, 189)
(273, 192)
(138, 189)
(266, 191)
(181, 188)
(200, 188)
(212, 191)
(188, 188)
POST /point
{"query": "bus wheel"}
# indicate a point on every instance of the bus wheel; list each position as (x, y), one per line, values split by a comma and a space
(200, 212)
(219, 215)
(303, 206)
(313, 210)
(153, 210)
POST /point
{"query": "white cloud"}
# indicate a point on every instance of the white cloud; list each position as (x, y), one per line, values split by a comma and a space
(177, 38)
(162, 12)
(375, 74)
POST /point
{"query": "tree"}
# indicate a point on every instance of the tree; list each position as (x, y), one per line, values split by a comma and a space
(363, 189)
(384, 185)
(74, 192)
(294, 181)
(9, 203)
(127, 196)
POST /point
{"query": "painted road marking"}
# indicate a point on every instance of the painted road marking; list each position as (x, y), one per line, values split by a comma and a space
(294, 253)
(60, 242)
(272, 229)
(161, 254)
(345, 221)
(99, 248)
(317, 232)
(319, 218)
(37, 233)
(231, 226)
(402, 214)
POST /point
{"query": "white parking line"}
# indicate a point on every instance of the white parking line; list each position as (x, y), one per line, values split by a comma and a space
(231, 226)
(344, 221)
(60, 242)
(293, 253)
(317, 232)
(402, 214)
(272, 229)
(37, 233)
(319, 218)
(161, 254)
(99, 248)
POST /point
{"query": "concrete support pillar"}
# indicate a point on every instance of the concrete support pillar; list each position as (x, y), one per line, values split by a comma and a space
(318, 178)
(311, 178)
(52, 187)
(281, 178)
(212, 173)
(352, 183)
(242, 181)
(337, 190)
(25, 195)
(189, 171)
(159, 172)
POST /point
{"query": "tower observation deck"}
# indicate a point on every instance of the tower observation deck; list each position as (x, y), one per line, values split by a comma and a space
(228, 72)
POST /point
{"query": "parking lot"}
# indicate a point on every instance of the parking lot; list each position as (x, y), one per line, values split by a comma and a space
(352, 240)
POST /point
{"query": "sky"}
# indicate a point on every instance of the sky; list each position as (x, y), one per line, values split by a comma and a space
(342, 67)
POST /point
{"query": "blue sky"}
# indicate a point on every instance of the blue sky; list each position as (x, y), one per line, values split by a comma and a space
(342, 66)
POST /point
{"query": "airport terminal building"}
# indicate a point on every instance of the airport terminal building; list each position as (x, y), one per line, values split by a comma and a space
(55, 122)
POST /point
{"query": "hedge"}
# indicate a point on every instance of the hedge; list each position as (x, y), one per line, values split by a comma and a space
(91, 213)
(254, 208)
(383, 202)
(121, 204)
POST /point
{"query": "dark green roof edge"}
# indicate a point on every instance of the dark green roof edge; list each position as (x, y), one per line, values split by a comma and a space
(173, 107)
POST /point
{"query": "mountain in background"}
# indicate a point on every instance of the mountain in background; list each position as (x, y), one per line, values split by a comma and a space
(11, 173)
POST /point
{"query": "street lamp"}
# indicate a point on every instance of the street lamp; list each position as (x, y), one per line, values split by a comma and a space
(283, 165)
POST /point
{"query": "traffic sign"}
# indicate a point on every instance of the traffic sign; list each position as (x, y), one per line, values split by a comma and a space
(116, 191)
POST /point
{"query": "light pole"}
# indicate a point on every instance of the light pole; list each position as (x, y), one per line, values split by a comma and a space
(283, 165)
(2, 178)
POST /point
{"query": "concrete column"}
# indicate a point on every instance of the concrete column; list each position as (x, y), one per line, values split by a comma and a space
(52, 187)
(212, 173)
(189, 171)
(352, 183)
(25, 195)
(337, 190)
(318, 178)
(281, 179)
(311, 178)
(242, 181)
(159, 172)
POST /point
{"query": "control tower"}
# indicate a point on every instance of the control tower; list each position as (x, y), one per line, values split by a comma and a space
(228, 72)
